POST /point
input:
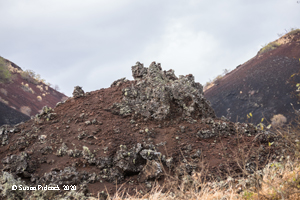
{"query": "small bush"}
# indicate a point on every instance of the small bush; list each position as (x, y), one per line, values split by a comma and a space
(278, 120)
(39, 98)
(215, 81)
(26, 88)
(5, 75)
(25, 110)
(40, 87)
(269, 47)
(3, 101)
(32, 77)
(3, 91)
(29, 75)
(294, 31)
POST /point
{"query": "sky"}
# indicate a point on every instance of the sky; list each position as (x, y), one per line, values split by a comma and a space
(92, 43)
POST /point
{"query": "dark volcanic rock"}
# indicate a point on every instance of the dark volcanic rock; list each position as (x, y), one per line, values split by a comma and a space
(161, 95)
(78, 92)
(11, 116)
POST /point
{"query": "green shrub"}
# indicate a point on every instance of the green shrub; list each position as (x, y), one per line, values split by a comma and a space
(294, 31)
(216, 80)
(30, 76)
(269, 47)
(5, 75)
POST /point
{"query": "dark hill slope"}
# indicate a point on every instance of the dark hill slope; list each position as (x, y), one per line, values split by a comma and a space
(11, 116)
(262, 86)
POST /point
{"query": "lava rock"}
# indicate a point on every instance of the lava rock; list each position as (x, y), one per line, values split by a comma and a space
(78, 92)
(159, 95)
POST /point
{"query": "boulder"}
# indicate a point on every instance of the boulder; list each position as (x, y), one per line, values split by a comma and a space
(161, 95)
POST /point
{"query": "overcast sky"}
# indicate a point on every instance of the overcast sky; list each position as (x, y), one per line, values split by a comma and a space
(92, 43)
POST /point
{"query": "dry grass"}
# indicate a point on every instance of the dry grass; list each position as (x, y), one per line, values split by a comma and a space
(277, 180)
(39, 98)
(40, 87)
(25, 110)
(278, 120)
(4, 101)
(3, 91)
(268, 47)
(280, 181)
(26, 88)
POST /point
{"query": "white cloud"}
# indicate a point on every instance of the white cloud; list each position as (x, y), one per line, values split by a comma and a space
(92, 43)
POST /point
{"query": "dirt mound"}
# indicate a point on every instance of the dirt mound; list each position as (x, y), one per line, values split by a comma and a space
(24, 94)
(263, 86)
(129, 135)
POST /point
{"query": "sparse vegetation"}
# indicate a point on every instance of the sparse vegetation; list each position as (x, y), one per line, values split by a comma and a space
(291, 31)
(215, 81)
(268, 47)
(277, 180)
(40, 87)
(3, 101)
(294, 31)
(32, 77)
(25, 110)
(278, 120)
(26, 88)
(3, 91)
(5, 74)
(39, 98)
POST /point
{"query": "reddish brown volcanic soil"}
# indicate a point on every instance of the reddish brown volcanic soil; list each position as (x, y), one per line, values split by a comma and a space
(104, 137)
(17, 96)
(261, 86)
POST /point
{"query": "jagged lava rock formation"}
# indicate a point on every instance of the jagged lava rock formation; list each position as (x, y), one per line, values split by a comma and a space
(130, 134)
(160, 95)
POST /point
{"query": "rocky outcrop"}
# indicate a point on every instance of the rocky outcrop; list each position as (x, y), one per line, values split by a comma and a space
(161, 95)
(78, 92)
(131, 134)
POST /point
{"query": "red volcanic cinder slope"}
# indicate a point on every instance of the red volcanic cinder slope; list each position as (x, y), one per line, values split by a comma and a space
(22, 92)
(129, 137)
(263, 86)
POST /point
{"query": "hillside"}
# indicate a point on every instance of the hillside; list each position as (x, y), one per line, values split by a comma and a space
(10, 115)
(263, 86)
(130, 137)
(24, 92)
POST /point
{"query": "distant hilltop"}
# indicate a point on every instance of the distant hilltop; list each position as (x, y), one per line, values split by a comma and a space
(264, 86)
(23, 93)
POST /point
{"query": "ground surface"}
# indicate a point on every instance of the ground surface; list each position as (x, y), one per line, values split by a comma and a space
(42, 139)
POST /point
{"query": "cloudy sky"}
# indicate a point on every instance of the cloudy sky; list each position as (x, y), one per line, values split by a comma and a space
(92, 43)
